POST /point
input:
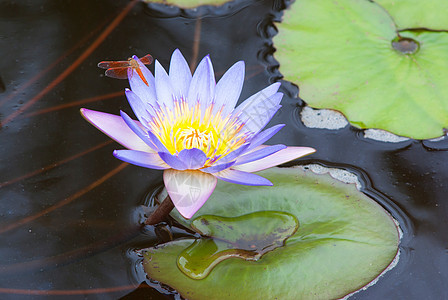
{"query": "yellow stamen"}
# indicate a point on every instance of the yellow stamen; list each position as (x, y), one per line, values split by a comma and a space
(186, 126)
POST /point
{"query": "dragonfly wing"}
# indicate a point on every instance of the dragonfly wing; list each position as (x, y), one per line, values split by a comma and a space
(113, 64)
(147, 59)
(119, 73)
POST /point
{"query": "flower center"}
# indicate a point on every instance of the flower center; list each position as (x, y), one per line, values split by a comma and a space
(187, 127)
(195, 138)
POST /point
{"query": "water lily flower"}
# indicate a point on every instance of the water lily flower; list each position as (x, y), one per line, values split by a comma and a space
(189, 127)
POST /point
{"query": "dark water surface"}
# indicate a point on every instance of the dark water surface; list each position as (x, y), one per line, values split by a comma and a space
(69, 209)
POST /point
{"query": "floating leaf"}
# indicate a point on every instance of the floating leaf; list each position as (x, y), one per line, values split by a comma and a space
(431, 14)
(345, 55)
(344, 241)
(248, 237)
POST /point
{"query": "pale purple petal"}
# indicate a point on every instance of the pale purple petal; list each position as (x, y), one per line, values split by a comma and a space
(180, 74)
(161, 147)
(240, 177)
(146, 92)
(263, 136)
(234, 154)
(261, 95)
(142, 159)
(115, 127)
(258, 154)
(202, 87)
(137, 130)
(173, 161)
(192, 158)
(164, 88)
(278, 158)
(137, 106)
(218, 167)
(188, 189)
(228, 89)
(259, 113)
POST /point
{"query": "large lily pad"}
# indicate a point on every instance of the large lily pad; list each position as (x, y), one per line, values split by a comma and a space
(344, 241)
(431, 14)
(247, 237)
(343, 55)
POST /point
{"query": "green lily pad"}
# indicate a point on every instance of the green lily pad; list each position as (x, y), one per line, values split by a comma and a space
(188, 3)
(431, 14)
(248, 237)
(344, 241)
(343, 55)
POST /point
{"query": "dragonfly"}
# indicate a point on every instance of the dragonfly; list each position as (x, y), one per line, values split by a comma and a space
(119, 69)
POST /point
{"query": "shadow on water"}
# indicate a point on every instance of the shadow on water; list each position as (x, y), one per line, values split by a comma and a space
(67, 203)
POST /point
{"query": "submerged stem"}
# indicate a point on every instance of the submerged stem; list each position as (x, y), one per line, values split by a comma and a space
(161, 212)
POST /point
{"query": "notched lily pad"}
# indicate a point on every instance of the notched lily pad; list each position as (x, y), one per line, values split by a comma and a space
(347, 55)
(247, 237)
(431, 14)
(344, 241)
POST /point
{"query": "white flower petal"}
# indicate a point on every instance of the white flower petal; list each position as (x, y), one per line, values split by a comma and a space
(188, 189)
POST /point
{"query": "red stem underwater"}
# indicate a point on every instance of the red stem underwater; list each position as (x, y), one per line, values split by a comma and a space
(161, 213)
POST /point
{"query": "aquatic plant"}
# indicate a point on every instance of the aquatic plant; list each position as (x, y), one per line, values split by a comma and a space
(189, 127)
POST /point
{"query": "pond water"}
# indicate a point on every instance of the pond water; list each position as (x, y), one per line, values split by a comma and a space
(69, 210)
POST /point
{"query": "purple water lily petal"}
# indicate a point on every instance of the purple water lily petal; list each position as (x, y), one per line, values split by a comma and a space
(261, 95)
(202, 87)
(180, 74)
(164, 88)
(142, 159)
(137, 130)
(192, 158)
(234, 154)
(138, 106)
(258, 154)
(228, 89)
(147, 93)
(259, 113)
(218, 167)
(173, 161)
(241, 177)
(161, 147)
(188, 189)
(278, 158)
(115, 127)
(263, 136)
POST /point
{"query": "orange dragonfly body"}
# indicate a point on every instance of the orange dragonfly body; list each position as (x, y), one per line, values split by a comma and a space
(119, 69)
